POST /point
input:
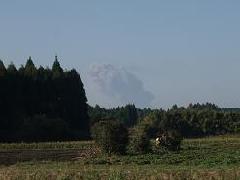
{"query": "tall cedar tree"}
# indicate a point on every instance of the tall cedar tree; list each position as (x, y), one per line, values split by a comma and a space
(57, 97)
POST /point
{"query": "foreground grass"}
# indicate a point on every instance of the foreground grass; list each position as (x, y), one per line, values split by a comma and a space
(76, 170)
(207, 158)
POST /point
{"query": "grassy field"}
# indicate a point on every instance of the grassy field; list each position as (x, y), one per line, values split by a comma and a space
(206, 158)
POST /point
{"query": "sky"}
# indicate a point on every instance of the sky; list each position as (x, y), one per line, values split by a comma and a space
(154, 53)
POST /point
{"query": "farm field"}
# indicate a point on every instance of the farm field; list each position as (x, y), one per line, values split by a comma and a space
(205, 158)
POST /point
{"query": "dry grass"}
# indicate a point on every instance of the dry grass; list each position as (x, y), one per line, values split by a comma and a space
(54, 171)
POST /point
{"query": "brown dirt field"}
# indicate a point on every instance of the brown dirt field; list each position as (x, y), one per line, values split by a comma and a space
(9, 157)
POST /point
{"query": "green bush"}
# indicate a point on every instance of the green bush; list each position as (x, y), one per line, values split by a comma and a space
(111, 136)
(139, 142)
(171, 140)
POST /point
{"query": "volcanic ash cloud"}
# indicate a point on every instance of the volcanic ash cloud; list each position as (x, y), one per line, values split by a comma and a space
(112, 86)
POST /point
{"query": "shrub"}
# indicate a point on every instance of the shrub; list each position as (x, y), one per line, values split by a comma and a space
(111, 136)
(171, 140)
(139, 141)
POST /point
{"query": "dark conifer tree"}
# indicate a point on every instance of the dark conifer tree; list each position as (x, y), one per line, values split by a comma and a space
(30, 69)
(12, 69)
(56, 69)
(3, 70)
(132, 115)
(32, 98)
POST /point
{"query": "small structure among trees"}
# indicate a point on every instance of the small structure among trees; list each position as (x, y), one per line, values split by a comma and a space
(171, 140)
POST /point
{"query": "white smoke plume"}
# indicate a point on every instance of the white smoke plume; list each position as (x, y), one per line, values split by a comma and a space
(110, 86)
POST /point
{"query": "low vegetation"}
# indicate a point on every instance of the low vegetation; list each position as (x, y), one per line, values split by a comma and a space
(205, 158)
(139, 142)
(111, 136)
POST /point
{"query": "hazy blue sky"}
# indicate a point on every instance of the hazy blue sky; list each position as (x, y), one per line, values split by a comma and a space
(151, 52)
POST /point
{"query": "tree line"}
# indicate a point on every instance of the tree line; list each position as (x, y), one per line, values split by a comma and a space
(42, 104)
(50, 104)
(196, 120)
